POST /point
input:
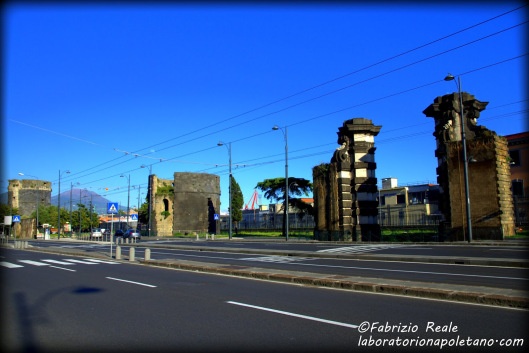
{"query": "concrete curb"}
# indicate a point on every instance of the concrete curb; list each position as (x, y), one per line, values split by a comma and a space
(421, 292)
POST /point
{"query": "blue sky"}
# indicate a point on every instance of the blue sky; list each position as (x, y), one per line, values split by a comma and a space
(100, 90)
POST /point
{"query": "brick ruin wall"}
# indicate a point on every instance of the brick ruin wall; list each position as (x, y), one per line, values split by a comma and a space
(162, 206)
(491, 205)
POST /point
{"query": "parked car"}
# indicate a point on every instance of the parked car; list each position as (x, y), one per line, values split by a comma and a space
(96, 233)
(132, 233)
(118, 233)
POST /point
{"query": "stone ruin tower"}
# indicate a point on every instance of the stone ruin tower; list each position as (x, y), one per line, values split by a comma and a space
(22, 194)
(345, 190)
(491, 206)
(186, 204)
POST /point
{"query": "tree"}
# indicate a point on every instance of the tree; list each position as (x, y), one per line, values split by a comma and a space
(143, 213)
(237, 201)
(5, 210)
(49, 215)
(274, 189)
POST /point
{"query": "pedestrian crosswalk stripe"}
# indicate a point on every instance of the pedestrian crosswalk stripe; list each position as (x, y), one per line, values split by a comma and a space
(9, 264)
(278, 259)
(359, 248)
(102, 261)
(34, 263)
(58, 262)
(81, 262)
(50, 263)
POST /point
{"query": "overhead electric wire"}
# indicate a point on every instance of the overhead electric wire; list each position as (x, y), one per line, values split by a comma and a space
(332, 80)
(388, 96)
(343, 76)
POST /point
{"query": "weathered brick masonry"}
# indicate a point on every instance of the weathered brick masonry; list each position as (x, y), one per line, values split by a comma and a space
(490, 195)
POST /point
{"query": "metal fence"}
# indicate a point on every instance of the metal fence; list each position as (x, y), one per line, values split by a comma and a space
(270, 222)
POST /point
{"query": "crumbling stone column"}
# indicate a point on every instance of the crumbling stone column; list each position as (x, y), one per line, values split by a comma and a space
(492, 214)
(345, 191)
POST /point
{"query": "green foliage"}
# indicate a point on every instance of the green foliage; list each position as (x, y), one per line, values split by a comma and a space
(143, 213)
(5, 210)
(322, 168)
(274, 189)
(165, 189)
(165, 214)
(86, 224)
(237, 201)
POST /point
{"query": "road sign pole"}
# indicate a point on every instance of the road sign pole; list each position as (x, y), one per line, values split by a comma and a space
(111, 231)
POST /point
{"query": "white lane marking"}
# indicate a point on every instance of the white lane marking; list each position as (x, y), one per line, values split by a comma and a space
(58, 262)
(102, 261)
(123, 280)
(366, 268)
(80, 262)
(295, 315)
(9, 264)
(34, 263)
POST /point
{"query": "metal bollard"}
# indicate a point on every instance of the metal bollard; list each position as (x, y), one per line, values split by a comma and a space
(147, 254)
(118, 252)
(132, 252)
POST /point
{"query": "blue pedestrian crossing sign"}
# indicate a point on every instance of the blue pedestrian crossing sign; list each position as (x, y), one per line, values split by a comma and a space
(134, 217)
(216, 217)
(16, 219)
(112, 207)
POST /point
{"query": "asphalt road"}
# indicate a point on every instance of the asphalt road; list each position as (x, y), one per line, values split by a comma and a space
(54, 303)
(478, 276)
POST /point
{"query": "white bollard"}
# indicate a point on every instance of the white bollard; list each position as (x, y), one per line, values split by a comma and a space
(212, 236)
(132, 252)
(147, 254)
(118, 252)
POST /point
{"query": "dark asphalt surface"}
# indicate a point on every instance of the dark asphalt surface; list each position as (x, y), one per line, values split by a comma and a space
(127, 307)
(406, 274)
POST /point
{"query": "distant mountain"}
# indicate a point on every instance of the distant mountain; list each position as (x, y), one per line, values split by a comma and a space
(98, 201)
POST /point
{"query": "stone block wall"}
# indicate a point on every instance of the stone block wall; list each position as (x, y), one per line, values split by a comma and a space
(196, 201)
(345, 191)
(23, 194)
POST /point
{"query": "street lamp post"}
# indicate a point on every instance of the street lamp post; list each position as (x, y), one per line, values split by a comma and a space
(450, 77)
(150, 195)
(128, 198)
(59, 206)
(37, 200)
(229, 186)
(286, 179)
